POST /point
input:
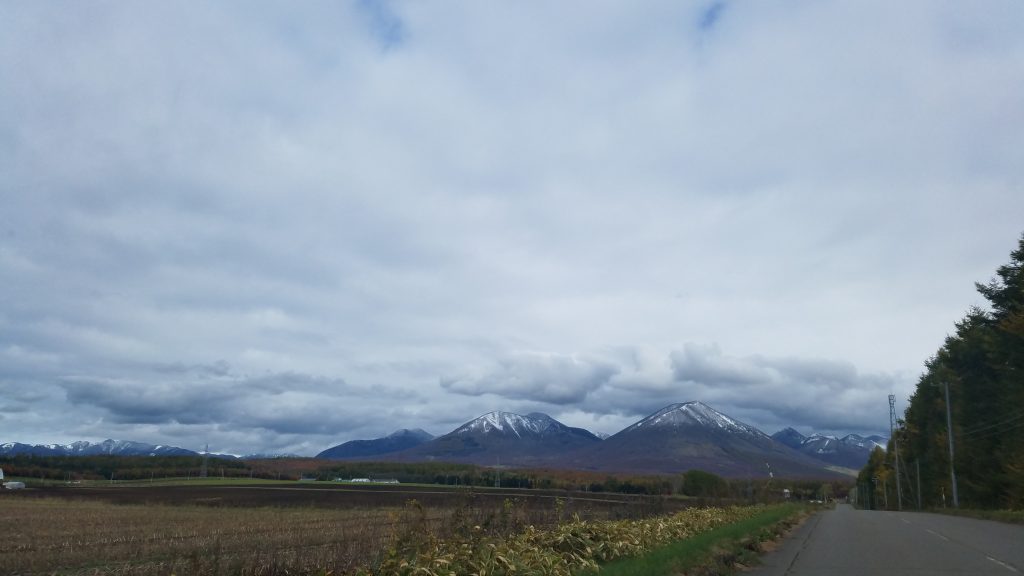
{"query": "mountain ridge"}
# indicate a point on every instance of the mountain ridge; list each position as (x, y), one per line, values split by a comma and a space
(849, 451)
(108, 447)
(677, 437)
(692, 435)
(533, 439)
(397, 441)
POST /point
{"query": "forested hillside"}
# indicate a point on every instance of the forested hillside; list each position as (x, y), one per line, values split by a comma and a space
(983, 364)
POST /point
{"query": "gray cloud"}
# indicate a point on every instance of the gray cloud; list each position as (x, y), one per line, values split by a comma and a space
(553, 379)
(622, 386)
(816, 393)
(286, 228)
(213, 398)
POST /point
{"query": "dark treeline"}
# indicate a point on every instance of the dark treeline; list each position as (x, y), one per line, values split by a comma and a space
(450, 474)
(691, 483)
(695, 483)
(71, 468)
(983, 365)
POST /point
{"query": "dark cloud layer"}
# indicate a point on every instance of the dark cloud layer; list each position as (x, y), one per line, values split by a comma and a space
(542, 378)
(286, 403)
(815, 393)
(281, 228)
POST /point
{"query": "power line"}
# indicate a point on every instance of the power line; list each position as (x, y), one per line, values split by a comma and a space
(1009, 418)
(994, 432)
(989, 425)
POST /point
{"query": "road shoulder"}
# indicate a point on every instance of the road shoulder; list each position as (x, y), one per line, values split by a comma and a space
(778, 561)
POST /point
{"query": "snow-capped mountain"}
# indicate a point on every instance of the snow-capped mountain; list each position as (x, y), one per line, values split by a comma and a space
(696, 414)
(679, 437)
(508, 424)
(506, 438)
(789, 437)
(395, 442)
(850, 451)
(692, 435)
(867, 442)
(83, 448)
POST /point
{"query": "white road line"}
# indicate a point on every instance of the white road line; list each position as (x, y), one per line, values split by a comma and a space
(905, 521)
(1003, 564)
(939, 535)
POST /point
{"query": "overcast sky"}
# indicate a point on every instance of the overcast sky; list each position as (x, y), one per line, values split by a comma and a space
(277, 227)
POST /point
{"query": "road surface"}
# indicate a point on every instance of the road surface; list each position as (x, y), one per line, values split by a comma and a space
(845, 542)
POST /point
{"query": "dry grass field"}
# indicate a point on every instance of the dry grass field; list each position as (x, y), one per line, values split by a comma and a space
(207, 531)
(94, 537)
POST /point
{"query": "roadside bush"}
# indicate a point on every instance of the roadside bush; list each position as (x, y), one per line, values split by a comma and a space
(560, 551)
(704, 484)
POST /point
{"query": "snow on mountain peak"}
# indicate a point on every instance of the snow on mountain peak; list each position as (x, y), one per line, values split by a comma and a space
(86, 448)
(696, 414)
(508, 423)
(408, 432)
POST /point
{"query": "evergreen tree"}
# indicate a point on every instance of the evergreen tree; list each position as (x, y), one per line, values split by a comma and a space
(983, 364)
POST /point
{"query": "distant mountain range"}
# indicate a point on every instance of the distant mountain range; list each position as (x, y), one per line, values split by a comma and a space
(395, 442)
(693, 435)
(107, 447)
(850, 451)
(504, 438)
(677, 438)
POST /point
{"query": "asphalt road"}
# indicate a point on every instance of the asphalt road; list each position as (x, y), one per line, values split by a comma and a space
(845, 541)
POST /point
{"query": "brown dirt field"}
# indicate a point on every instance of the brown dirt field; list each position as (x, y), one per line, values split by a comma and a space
(327, 495)
(266, 530)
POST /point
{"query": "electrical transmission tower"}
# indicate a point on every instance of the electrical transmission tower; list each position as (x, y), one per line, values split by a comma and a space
(896, 445)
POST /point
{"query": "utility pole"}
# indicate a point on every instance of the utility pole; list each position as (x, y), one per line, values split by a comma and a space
(917, 463)
(896, 445)
(949, 432)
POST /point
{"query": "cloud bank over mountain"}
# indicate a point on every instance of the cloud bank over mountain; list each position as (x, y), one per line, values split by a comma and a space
(275, 229)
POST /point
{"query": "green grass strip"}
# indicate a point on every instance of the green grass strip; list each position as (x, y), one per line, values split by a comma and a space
(702, 549)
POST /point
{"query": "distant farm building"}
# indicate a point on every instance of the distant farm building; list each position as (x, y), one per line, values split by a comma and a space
(10, 485)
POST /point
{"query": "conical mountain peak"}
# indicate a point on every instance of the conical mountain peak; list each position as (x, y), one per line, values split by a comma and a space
(695, 414)
(509, 423)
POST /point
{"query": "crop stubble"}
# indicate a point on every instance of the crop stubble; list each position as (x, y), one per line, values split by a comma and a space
(211, 531)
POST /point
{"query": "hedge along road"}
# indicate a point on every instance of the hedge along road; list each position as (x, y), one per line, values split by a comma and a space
(845, 541)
